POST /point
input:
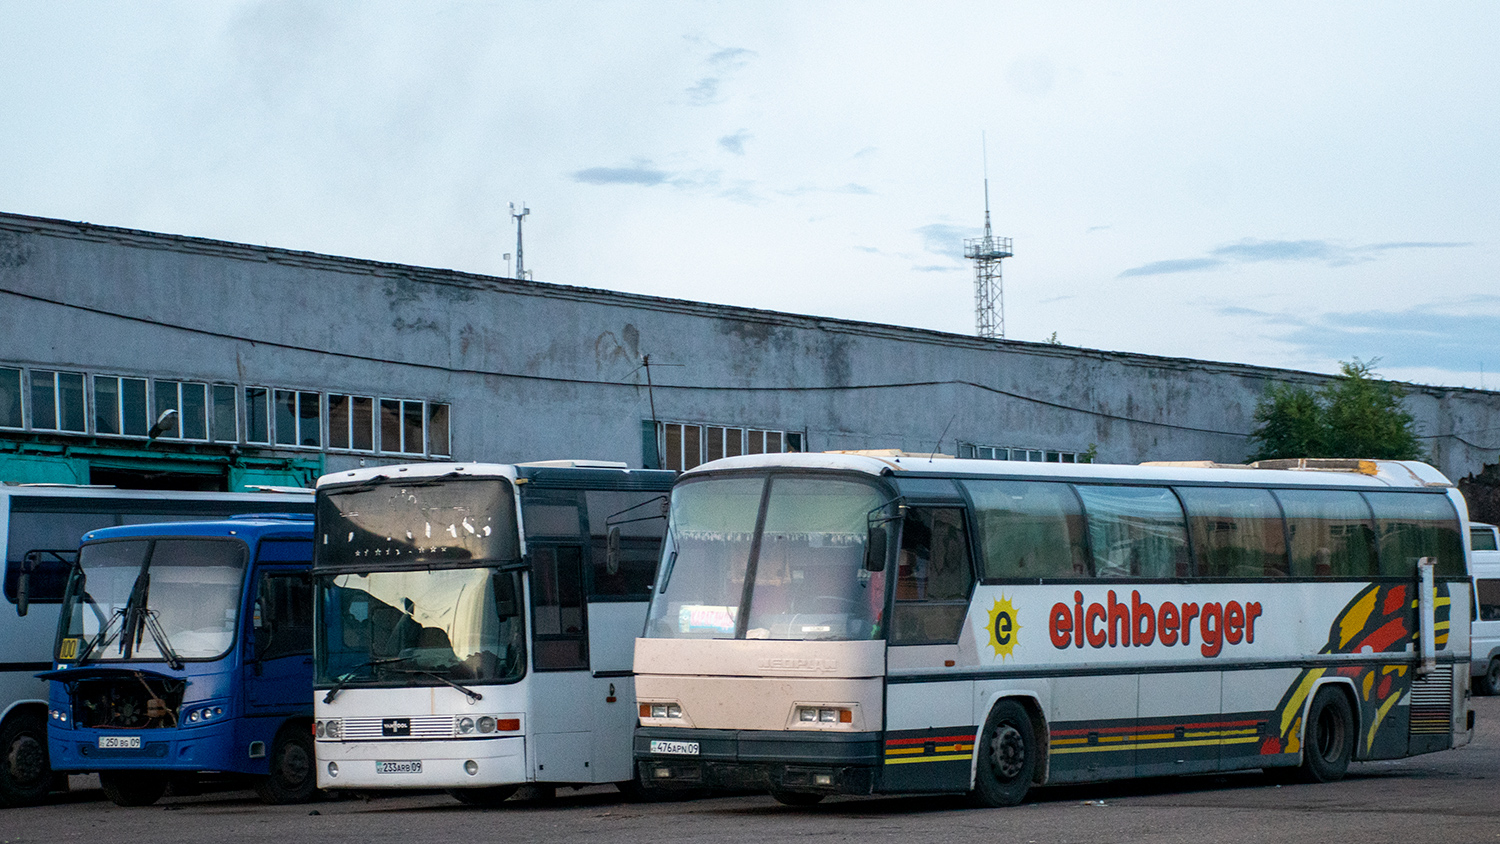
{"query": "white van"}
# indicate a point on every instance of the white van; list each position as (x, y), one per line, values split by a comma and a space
(1484, 540)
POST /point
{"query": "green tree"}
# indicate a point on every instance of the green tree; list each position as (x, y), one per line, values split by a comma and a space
(1355, 415)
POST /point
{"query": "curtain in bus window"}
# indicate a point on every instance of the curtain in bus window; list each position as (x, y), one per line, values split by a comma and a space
(1412, 525)
(1236, 532)
(810, 581)
(637, 520)
(713, 527)
(1028, 529)
(1135, 531)
(1330, 533)
(933, 577)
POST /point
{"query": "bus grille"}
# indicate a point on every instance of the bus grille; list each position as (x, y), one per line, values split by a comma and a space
(1432, 702)
(422, 727)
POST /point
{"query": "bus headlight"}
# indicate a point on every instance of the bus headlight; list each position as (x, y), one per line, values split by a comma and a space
(485, 724)
(464, 725)
(824, 715)
(331, 729)
(661, 710)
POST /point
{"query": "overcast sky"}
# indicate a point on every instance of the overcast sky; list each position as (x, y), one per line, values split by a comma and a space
(1281, 184)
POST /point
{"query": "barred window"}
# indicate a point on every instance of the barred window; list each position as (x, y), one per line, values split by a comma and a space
(682, 446)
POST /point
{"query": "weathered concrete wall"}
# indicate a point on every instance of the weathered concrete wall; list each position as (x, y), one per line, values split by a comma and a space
(538, 371)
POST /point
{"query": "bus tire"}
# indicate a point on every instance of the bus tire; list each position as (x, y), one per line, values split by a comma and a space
(492, 796)
(796, 798)
(293, 777)
(25, 777)
(1327, 737)
(133, 788)
(1489, 681)
(1007, 757)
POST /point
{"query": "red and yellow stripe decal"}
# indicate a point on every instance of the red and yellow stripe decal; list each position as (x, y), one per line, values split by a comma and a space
(905, 751)
(1155, 736)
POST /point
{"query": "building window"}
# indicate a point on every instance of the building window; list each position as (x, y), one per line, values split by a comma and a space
(224, 416)
(299, 418)
(362, 423)
(120, 406)
(683, 446)
(258, 415)
(10, 399)
(57, 401)
(190, 400)
(1024, 455)
(437, 429)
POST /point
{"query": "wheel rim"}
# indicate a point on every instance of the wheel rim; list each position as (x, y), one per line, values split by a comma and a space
(295, 766)
(1330, 734)
(26, 761)
(1007, 752)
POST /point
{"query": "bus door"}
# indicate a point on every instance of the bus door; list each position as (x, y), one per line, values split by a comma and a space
(561, 693)
(278, 665)
(930, 601)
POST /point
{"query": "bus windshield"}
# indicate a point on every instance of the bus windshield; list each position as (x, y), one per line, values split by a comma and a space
(420, 628)
(155, 599)
(798, 541)
(436, 521)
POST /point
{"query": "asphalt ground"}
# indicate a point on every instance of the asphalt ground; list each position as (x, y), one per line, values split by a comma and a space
(1453, 796)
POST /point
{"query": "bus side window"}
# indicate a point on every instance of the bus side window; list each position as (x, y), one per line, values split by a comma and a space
(558, 607)
(1488, 594)
(1331, 533)
(934, 577)
(283, 615)
(1412, 525)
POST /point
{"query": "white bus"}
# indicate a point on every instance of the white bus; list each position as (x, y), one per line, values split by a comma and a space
(1484, 543)
(42, 526)
(475, 624)
(847, 623)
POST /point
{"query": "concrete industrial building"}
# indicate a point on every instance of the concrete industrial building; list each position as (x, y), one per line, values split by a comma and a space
(281, 365)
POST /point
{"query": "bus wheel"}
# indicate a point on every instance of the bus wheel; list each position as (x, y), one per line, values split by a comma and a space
(492, 796)
(293, 778)
(1328, 738)
(1489, 681)
(133, 788)
(24, 776)
(1007, 757)
(797, 798)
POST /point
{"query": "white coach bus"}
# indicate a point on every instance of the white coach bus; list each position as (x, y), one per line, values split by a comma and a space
(41, 526)
(475, 624)
(865, 623)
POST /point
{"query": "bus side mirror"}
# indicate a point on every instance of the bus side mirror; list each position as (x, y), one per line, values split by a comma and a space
(875, 549)
(612, 551)
(23, 583)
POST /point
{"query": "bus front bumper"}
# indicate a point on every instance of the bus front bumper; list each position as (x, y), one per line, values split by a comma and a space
(470, 763)
(206, 748)
(803, 761)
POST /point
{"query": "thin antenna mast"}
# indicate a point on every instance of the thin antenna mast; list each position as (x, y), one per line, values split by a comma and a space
(519, 218)
(987, 252)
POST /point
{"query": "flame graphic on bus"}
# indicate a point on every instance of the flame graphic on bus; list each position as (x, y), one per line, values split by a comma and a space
(1382, 618)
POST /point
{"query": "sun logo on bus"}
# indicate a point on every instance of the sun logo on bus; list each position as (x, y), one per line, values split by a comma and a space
(1003, 627)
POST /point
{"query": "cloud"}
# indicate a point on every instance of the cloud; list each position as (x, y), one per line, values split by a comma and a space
(705, 92)
(1453, 336)
(732, 57)
(1252, 251)
(946, 239)
(735, 143)
(637, 175)
(934, 268)
(1179, 265)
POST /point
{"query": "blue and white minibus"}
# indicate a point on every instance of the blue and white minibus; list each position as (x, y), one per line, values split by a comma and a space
(186, 648)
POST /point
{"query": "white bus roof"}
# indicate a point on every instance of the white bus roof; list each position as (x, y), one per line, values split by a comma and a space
(474, 470)
(1353, 473)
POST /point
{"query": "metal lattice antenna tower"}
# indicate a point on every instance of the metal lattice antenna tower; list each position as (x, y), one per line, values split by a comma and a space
(989, 286)
(519, 218)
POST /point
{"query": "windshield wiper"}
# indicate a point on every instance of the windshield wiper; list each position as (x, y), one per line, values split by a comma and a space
(160, 637)
(473, 695)
(352, 674)
(104, 636)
